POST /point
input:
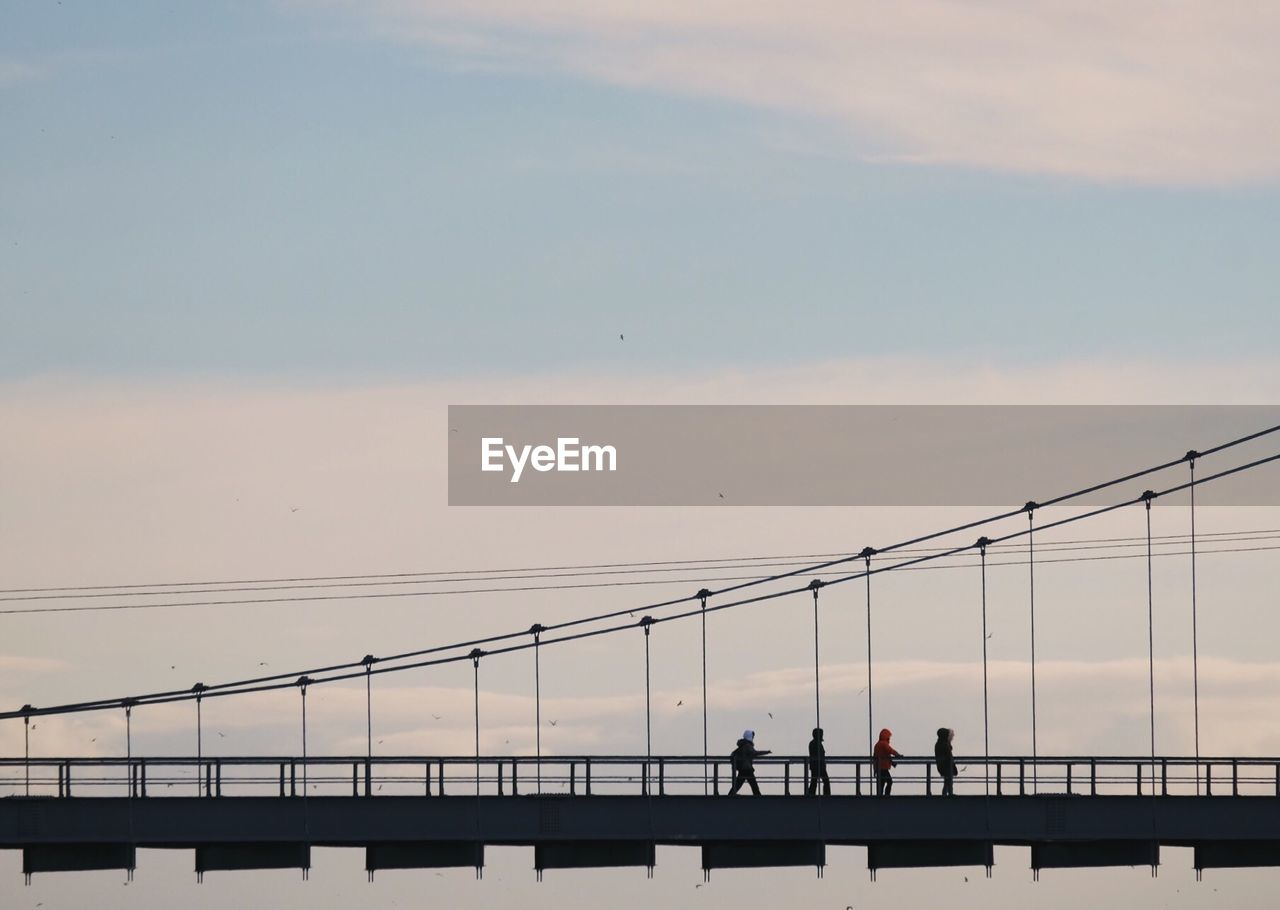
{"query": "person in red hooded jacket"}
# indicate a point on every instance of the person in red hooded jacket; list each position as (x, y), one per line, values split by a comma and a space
(884, 759)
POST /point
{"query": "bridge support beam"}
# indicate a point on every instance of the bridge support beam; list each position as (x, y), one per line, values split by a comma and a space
(270, 855)
(762, 853)
(78, 858)
(928, 854)
(1245, 854)
(423, 855)
(1094, 854)
(591, 854)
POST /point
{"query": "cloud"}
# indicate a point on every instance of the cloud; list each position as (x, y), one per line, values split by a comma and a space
(13, 72)
(1145, 91)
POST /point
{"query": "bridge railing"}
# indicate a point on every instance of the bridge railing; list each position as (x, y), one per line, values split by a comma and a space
(657, 776)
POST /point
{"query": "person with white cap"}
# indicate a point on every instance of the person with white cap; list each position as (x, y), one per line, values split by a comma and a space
(743, 760)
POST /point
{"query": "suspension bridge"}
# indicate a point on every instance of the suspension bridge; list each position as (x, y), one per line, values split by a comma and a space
(70, 813)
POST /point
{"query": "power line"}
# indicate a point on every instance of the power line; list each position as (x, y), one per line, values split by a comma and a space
(94, 608)
(22, 595)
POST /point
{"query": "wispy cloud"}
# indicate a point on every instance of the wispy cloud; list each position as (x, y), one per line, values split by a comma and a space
(13, 72)
(1144, 91)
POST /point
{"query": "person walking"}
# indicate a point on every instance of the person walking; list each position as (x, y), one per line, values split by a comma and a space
(743, 761)
(884, 755)
(945, 759)
(817, 765)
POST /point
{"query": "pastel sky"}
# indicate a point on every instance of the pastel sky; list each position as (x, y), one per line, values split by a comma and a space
(250, 251)
(451, 188)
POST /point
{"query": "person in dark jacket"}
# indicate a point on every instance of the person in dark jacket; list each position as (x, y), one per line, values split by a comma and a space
(817, 765)
(884, 755)
(743, 759)
(945, 759)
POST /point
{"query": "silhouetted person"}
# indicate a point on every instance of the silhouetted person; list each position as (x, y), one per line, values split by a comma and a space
(817, 765)
(743, 759)
(945, 759)
(884, 755)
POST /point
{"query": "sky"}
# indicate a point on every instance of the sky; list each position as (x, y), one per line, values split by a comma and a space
(251, 251)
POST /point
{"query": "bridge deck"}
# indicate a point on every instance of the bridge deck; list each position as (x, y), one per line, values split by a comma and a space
(264, 812)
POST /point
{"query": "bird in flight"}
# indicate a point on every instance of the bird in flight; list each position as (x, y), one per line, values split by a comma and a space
(436, 716)
(221, 735)
(680, 702)
(770, 713)
(621, 337)
(293, 508)
(554, 722)
(379, 742)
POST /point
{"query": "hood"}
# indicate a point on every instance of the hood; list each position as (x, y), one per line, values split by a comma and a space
(885, 734)
(943, 732)
(743, 742)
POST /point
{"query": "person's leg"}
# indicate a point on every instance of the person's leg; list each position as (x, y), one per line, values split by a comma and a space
(946, 785)
(737, 784)
(879, 783)
(888, 783)
(826, 784)
(755, 788)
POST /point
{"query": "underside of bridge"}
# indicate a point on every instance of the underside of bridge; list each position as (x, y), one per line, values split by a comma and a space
(71, 834)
